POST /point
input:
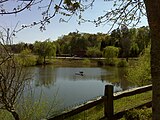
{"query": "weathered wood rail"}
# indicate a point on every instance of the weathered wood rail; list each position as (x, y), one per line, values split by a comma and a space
(107, 99)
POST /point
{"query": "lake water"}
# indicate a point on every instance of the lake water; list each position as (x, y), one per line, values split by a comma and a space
(70, 87)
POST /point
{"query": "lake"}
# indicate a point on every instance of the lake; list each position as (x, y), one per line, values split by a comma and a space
(72, 86)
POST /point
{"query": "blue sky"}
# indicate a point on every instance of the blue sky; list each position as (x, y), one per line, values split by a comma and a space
(56, 29)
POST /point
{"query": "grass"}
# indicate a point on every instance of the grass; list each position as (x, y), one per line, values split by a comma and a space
(122, 104)
(94, 113)
(138, 114)
(97, 112)
(72, 62)
(132, 101)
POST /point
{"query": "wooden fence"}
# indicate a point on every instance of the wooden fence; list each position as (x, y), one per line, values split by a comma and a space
(107, 99)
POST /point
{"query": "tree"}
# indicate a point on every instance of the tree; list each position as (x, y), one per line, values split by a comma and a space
(143, 38)
(93, 52)
(45, 49)
(12, 76)
(125, 41)
(123, 12)
(111, 54)
(26, 58)
(153, 15)
(140, 73)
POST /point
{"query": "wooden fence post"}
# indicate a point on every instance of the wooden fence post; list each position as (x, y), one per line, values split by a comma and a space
(108, 102)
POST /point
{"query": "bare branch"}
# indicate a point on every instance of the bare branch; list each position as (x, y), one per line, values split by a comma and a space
(12, 75)
(126, 12)
(15, 10)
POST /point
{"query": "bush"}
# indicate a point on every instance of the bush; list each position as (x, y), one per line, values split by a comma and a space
(5, 115)
(25, 58)
(111, 54)
(140, 73)
(93, 52)
(86, 62)
(122, 63)
(39, 61)
(111, 62)
(139, 114)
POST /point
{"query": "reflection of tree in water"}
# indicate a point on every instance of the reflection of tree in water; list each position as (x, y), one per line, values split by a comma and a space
(111, 75)
(124, 83)
(45, 76)
(116, 76)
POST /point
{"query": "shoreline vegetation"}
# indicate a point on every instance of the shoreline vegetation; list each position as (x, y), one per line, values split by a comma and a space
(33, 60)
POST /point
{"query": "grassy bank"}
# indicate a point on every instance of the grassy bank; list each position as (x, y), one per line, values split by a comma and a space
(72, 62)
(97, 112)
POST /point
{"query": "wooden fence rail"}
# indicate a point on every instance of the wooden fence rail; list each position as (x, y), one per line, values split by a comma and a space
(107, 99)
(77, 110)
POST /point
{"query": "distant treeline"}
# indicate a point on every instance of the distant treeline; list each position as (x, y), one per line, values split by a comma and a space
(130, 42)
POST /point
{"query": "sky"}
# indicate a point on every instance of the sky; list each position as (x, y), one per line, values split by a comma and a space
(56, 29)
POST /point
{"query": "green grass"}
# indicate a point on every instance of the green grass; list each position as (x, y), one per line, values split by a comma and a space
(94, 113)
(138, 114)
(122, 104)
(97, 112)
(132, 101)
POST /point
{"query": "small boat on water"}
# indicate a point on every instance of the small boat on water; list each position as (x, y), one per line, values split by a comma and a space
(79, 73)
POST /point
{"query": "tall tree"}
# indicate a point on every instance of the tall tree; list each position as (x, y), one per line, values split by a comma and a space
(153, 15)
(45, 49)
(125, 41)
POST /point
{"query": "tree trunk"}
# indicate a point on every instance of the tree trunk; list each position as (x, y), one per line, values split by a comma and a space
(44, 60)
(15, 115)
(153, 15)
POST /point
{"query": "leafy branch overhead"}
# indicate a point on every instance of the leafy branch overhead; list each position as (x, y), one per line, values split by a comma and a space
(123, 11)
(48, 10)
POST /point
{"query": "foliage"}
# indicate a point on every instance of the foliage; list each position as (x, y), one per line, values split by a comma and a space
(86, 62)
(139, 114)
(45, 49)
(93, 52)
(134, 50)
(25, 58)
(29, 109)
(13, 77)
(131, 43)
(40, 60)
(140, 73)
(122, 63)
(5, 115)
(111, 54)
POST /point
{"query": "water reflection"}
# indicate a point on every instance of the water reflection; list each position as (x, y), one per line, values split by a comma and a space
(48, 75)
(45, 76)
(73, 88)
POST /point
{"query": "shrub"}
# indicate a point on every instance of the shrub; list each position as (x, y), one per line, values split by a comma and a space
(111, 54)
(5, 115)
(93, 52)
(111, 62)
(140, 73)
(139, 114)
(86, 62)
(39, 61)
(122, 63)
(25, 58)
